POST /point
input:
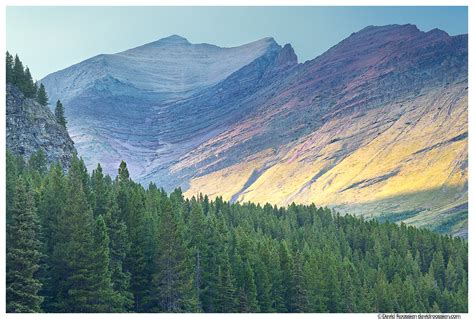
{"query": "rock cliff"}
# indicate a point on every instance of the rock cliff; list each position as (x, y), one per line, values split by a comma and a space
(31, 126)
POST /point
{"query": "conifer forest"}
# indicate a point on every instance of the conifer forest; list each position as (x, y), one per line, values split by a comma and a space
(80, 242)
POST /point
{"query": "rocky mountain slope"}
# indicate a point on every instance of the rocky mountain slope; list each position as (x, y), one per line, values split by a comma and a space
(151, 104)
(375, 126)
(31, 126)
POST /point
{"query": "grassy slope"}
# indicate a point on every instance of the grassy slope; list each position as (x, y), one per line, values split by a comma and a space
(408, 156)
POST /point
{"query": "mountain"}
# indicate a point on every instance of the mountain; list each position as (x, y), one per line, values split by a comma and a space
(31, 126)
(151, 104)
(375, 126)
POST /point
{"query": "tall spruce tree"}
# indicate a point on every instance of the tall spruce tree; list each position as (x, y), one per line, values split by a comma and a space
(9, 68)
(248, 290)
(76, 261)
(50, 209)
(298, 294)
(59, 113)
(271, 258)
(119, 248)
(198, 245)
(315, 281)
(212, 258)
(136, 259)
(286, 264)
(18, 73)
(28, 86)
(42, 96)
(23, 254)
(107, 300)
(173, 282)
(225, 297)
(100, 192)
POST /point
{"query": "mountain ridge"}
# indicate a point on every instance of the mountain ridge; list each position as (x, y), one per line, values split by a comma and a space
(280, 131)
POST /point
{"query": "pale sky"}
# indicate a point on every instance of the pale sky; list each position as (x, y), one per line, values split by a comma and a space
(48, 39)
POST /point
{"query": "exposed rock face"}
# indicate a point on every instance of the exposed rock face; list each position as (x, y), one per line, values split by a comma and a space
(31, 126)
(375, 126)
(152, 104)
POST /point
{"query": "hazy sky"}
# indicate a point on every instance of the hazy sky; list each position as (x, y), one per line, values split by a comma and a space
(48, 39)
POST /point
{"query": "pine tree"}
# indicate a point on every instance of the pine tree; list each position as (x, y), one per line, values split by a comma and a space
(314, 278)
(123, 191)
(451, 277)
(137, 261)
(18, 73)
(298, 294)
(172, 283)
(23, 254)
(264, 286)
(28, 86)
(119, 248)
(348, 293)
(408, 298)
(50, 209)
(99, 191)
(383, 300)
(270, 257)
(9, 68)
(332, 289)
(123, 174)
(213, 257)
(131, 206)
(75, 257)
(59, 113)
(437, 266)
(225, 298)
(286, 266)
(198, 245)
(248, 290)
(108, 300)
(41, 96)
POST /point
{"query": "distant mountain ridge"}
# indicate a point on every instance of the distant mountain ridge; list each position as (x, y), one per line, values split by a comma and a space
(171, 67)
(376, 126)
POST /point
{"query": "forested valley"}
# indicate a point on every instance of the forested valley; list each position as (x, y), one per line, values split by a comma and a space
(80, 242)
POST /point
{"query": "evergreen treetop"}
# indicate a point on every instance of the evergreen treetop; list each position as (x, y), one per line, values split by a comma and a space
(59, 113)
(42, 96)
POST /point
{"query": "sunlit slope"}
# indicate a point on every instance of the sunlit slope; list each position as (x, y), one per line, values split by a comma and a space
(407, 157)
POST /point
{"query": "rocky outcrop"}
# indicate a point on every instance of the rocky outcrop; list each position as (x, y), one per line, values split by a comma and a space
(31, 126)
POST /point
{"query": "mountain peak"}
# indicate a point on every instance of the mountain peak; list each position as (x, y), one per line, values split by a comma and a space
(173, 39)
(371, 40)
(266, 39)
(286, 57)
(409, 28)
